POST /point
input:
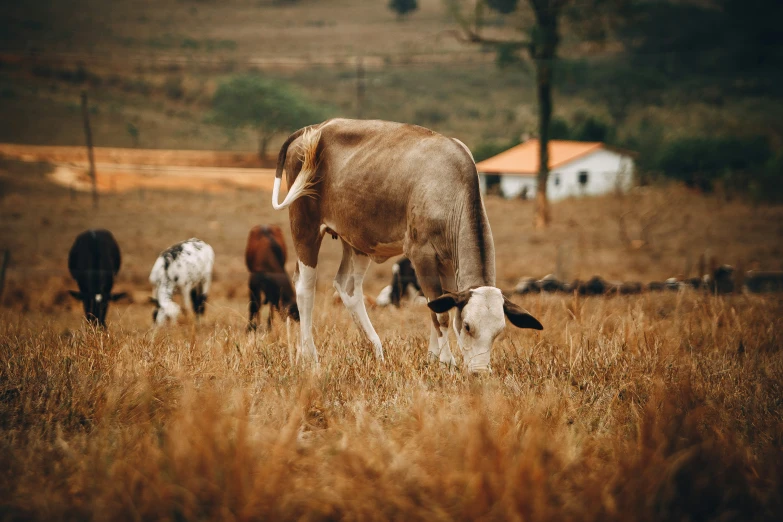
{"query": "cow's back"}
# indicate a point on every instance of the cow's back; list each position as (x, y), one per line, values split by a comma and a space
(94, 253)
(265, 251)
(386, 172)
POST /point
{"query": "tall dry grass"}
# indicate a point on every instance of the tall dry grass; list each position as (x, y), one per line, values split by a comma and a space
(653, 407)
(660, 407)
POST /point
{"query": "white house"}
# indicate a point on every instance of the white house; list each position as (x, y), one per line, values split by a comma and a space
(576, 168)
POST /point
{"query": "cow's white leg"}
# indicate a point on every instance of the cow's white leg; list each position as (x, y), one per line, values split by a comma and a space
(429, 274)
(348, 284)
(187, 302)
(445, 356)
(439, 349)
(433, 352)
(305, 297)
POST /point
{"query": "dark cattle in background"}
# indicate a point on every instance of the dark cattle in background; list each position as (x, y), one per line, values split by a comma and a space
(403, 276)
(721, 280)
(758, 282)
(93, 262)
(549, 283)
(265, 257)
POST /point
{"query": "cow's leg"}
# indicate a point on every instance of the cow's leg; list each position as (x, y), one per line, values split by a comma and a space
(304, 280)
(255, 300)
(269, 318)
(307, 235)
(186, 300)
(428, 273)
(348, 283)
(449, 281)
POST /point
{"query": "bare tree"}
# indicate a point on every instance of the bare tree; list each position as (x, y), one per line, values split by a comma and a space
(540, 40)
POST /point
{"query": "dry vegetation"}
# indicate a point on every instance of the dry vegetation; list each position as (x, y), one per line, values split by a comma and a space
(653, 407)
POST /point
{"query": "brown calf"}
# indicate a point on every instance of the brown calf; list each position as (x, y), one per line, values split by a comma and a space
(265, 257)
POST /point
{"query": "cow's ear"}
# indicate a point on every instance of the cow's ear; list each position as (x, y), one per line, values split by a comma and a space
(118, 296)
(448, 301)
(75, 294)
(519, 317)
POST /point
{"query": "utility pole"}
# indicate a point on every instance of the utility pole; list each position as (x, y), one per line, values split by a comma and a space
(360, 87)
(88, 136)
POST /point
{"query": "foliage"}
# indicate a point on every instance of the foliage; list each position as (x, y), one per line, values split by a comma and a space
(268, 106)
(403, 7)
(767, 187)
(133, 132)
(487, 149)
(584, 128)
(503, 6)
(701, 162)
(723, 39)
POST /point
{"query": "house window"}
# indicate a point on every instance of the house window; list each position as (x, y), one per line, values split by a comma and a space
(557, 180)
(583, 177)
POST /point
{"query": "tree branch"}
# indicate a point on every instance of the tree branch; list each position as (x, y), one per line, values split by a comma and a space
(469, 32)
(467, 35)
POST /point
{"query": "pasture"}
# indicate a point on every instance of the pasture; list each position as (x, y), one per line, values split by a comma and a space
(653, 407)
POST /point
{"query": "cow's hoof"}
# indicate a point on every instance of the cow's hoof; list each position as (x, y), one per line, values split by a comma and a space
(450, 365)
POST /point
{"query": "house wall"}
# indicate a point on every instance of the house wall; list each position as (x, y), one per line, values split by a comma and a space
(606, 171)
(512, 186)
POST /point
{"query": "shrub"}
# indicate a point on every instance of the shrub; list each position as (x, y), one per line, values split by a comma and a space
(701, 162)
(430, 116)
(487, 149)
(173, 87)
(767, 187)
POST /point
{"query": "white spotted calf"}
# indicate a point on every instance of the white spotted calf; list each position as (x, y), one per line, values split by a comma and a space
(187, 266)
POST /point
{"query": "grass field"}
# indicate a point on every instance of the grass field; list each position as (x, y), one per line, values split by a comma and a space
(652, 407)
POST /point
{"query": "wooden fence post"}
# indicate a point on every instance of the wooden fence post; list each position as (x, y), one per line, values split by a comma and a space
(360, 87)
(3, 266)
(88, 136)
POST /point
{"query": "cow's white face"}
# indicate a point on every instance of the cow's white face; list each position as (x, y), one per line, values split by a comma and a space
(477, 325)
(168, 310)
(480, 318)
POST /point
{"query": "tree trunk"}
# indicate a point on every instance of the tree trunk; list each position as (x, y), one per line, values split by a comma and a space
(263, 144)
(544, 81)
(543, 50)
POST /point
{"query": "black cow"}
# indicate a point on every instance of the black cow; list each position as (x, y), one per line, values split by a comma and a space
(94, 260)
(404, 282)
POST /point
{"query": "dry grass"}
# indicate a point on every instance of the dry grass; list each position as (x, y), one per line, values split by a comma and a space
(653, 407)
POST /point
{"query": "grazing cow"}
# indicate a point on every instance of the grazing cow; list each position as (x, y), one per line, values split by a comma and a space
(527, 285)
(550, 284)
(265, 257)
(629, 288)
(404, 282)
(94, 261)
(594, 286)
(758, 282)
(385, 189)
(721, 280)
(187, 266)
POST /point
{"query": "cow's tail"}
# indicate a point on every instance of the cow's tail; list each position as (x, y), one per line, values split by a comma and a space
(302, 186)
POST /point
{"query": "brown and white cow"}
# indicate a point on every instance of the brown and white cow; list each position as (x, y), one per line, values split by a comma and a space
(385, 189)
(265, 257)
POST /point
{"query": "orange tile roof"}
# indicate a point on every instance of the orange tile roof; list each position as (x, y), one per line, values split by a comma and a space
(523, 159)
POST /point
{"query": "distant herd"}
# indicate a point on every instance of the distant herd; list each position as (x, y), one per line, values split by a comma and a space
(185, 267)
(383, 189)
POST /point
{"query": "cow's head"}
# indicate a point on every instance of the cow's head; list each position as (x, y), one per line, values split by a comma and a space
(480, 317)
(164, 311)
(96, 304)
